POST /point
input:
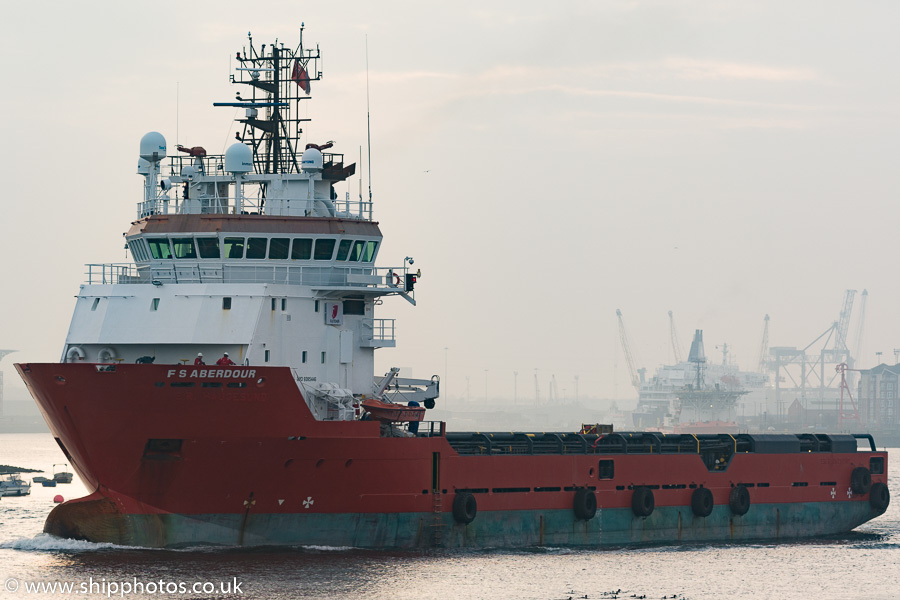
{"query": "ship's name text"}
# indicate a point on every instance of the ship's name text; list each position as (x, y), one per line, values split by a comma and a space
(209, 373)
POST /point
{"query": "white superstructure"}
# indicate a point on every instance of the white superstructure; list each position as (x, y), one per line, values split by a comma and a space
(249, 253)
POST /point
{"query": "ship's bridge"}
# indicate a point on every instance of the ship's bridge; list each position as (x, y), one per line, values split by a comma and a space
(333, 256)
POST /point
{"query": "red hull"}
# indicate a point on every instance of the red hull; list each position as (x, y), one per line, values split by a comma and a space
(158, 439)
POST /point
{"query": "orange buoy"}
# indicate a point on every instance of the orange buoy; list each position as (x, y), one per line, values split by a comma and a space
(58, 498)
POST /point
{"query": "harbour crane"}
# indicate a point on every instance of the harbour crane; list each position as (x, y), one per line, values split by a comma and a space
(860, 326)
(676, 345)
(840, 338)
(626, 348)
(763, 347)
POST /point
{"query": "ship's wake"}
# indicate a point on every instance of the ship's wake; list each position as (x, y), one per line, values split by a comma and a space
(44, 542)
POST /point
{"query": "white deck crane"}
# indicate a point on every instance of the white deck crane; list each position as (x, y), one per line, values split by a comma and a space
(676, 345)
(626, 347)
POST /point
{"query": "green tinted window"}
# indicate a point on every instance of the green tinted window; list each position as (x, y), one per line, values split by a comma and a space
(208, 247)
(368, 254)
(344, 249)
(302, 249)
(159, 248)
(357, 250)
(278, 247)
(184, 248)
(324, 249)
(234, 247)
(256, 247)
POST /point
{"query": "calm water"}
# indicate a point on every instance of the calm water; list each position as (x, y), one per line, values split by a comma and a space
(864, 564)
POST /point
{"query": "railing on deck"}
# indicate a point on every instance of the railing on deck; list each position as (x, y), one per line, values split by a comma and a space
(111, 273)
(425, 428)
(382, 329)
(186, 271)
(210, 169)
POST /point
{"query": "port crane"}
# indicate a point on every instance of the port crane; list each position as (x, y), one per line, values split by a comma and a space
(764, 347)
(676, 345)
(637, 375)
(853, 415)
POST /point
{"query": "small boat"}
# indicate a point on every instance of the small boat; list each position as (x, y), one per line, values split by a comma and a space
(14, 485)
(48, 482)
(63, 476)
(40, 479)
(391, 412)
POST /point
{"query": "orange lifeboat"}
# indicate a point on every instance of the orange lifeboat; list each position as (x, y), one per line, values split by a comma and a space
(391, 412)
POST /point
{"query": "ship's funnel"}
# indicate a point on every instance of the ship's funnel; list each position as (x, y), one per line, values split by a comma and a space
(697, 354)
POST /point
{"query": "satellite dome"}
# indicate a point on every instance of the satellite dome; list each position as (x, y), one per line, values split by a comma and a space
(239, 158)
(311, 160)
(143, 166)
(153, 146)
(188, 172)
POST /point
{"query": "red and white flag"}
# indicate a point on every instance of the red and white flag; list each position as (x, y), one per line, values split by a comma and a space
(300, 76)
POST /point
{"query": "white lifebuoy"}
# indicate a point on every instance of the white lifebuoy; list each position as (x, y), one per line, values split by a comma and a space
(106, 355)
(74, 354)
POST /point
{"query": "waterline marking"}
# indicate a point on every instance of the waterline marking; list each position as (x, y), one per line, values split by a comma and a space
(121, 589)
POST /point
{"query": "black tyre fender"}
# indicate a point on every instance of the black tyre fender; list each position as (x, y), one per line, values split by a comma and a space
(739, 500)
(860, 480)
(879, 496)
(702, 502)
(585, 504)
(465, 507)
(642, 502)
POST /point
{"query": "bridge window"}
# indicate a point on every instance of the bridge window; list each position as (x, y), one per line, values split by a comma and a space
(302, 249)
(208, 247)
(159, 248)
(344, 249)
(234, 247)
(184, 248)
(357, 253)
(256, 247)
(324, 249)
(368, 254)
(136, 250)
(278, 248)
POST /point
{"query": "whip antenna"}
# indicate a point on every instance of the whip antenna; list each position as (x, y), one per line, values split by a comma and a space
(368, 122)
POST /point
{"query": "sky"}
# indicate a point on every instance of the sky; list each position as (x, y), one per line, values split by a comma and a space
(544, 163)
